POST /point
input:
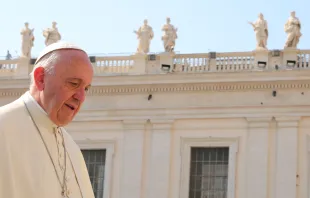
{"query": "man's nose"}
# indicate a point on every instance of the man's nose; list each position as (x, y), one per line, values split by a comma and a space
(80, 95)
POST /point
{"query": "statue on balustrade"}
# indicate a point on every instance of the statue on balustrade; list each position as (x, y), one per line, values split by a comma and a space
(260, 27)
(144, 34)
(292, 28)
(51, 35)
(169, 37)
(27, 41)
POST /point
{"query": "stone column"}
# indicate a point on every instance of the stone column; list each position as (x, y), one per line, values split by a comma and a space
(286, 157)
(139, 64)
(131, 172)
(160, 159)
(257, 157)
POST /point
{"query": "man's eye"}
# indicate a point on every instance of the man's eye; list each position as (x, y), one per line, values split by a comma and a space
(74, 84)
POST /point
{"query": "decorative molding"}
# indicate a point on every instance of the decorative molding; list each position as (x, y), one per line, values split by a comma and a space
(207, 112)
(132, 125)
(259, 122)
(203, 87)
(162, 125)
(182, 87)
(12, 92)
(288, 121)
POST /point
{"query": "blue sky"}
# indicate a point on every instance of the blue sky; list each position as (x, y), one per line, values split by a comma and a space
(106, 26)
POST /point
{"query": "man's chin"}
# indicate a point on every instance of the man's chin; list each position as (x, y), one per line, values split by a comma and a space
(63, 121)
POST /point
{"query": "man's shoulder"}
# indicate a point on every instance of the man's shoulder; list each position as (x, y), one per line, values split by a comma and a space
(12, 110)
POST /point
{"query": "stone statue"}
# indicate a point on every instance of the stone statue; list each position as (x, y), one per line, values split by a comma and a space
(51, 35)
(145, 34)
(27, 41)
(292, 28)
(169, 37)
(8, 55)
(261, 30)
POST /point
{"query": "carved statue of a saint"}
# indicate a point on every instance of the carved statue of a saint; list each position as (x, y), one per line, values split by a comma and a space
(292, 28)
(169, 37)
(260, 27)
(144, 34)
(51, 35)
(27, 41)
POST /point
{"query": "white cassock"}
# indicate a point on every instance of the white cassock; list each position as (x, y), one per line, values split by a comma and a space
(26, 168)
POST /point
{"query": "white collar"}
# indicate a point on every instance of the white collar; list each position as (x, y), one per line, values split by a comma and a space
(37, 112)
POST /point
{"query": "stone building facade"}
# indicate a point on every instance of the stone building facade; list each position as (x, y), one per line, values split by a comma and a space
(232, 125)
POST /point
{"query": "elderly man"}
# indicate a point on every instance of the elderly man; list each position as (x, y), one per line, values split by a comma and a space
(39, 159)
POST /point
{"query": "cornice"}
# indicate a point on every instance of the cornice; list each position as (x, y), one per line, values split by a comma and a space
(192, 113)
(183, 87)
(200, 87)
(12, 92)
(202, 77)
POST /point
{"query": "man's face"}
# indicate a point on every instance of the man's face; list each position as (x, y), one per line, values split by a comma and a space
(64, 91)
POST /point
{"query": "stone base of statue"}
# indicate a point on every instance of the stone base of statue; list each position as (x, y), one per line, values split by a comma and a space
(139, 63)
(290, 57)
(261, 58)
(166, 61)
(23, 69)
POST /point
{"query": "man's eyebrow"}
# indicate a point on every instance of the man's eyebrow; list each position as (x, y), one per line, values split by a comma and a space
(75, 79)
(79, 79)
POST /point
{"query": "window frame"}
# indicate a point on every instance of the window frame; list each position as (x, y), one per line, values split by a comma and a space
(109, 146)
(188, 143)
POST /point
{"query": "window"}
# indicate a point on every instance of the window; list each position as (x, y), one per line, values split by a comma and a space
(95, 161)
(208, 172)
(208, 167)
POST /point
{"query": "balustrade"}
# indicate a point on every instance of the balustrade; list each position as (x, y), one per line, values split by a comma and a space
(113, 64)
(182, 63)
(8, 67)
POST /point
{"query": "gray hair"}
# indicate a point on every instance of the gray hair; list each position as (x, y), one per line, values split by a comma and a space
(48, 63)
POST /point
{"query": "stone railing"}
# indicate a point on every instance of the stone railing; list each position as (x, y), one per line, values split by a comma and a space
(113, 65)
(191, 63)
(180, 63)
(214, 62)
(303, 59)
(8, 67)
(232, 62)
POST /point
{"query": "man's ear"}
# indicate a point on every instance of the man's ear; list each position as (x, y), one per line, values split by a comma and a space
(38, 75)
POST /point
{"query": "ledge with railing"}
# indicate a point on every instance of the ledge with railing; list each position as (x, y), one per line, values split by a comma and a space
(179, 63)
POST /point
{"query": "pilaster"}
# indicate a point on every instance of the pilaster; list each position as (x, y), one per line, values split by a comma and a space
(286, 156)
(261, 59)
(166, 62)
(160, 158)
(132, 158)
(139, 64)
(257, 157)
(290, 57)
(23, 67)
